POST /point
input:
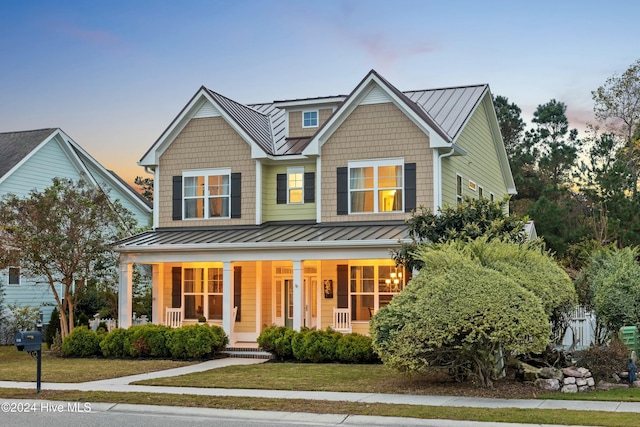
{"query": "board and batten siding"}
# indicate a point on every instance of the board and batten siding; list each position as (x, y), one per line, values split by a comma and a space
(481, 164)
(271, 210)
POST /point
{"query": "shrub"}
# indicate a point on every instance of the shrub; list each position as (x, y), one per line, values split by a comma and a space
(355, 348)
(148, 341)
(83, 320)
(315, 346)
(604, 360)
(277, 340)
(192, 342)
(81, 342)
(220, 340)
(116, 344)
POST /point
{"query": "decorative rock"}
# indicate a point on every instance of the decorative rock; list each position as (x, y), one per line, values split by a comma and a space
(583, 388)
(623, 375)
(636, 383)
(530, 373)
(581, 382)
(616, 377)
(603, 385)
(551, 373)
(569, 380)
(585, 372)
(569, 372)
(570, 388)
(549, 384)
(591, 382)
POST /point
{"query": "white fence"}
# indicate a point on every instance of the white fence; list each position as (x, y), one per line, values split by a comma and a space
(582, 330)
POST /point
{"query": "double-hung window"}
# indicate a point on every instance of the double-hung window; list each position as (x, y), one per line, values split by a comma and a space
(295, 185)
(207, 194)
(372, 287)
(310, 119)
(458, 189)
(202, 292)
(14, 276)
(376, 186)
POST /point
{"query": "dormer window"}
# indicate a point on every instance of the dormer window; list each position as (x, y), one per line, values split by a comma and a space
(310, 119)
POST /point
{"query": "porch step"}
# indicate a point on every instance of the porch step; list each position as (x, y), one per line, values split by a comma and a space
(247, 353)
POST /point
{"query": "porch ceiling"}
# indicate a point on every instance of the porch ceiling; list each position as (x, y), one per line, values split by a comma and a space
(269, 235)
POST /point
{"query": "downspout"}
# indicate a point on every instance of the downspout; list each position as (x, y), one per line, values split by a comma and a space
(438, 187)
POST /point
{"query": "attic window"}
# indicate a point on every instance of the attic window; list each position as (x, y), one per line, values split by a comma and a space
(310, 119)
(472, 185)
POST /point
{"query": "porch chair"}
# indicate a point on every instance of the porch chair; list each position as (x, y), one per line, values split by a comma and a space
(173, 317)
(341, 320)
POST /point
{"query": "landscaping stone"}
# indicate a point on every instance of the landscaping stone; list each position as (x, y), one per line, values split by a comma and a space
(581, 381)
(530, 373)
(604, 385)
(570, 372)
(569, 380)
(585, 372)
(636, 383)
(550, 384)
(583, 388)
(550, 373)
(570, 388)
(591, 382)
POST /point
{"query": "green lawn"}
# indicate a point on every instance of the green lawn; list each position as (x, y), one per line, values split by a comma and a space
(20, 366)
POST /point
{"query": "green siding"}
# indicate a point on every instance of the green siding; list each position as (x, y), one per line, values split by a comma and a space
(480, 165)
(271, 211)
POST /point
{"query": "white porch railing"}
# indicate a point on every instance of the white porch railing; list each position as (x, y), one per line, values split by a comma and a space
(173, 317)
(342, 320)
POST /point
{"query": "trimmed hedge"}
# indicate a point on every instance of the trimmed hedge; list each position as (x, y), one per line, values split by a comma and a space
(316, 346)
(194, 341)
(81, 342)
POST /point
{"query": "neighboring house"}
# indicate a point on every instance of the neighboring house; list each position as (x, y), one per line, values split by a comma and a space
(29, 161)
(284, 213)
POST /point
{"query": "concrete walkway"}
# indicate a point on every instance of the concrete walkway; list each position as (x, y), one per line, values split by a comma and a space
(123, 385)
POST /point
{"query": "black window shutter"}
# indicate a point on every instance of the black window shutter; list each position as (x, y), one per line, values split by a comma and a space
(281, 188)
(343, 286)
(236, 195)
(177, 198)
(409, 187)
(237, 290)
(309, 187)
(343, 191)
(176, 287)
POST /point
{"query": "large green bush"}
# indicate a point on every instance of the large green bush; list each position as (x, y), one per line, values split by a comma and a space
(194, 341)
(148, 341)
(457, 313)
(315, 346)
(81, 342)
(116, 344)
(277, 340)
(355, 348)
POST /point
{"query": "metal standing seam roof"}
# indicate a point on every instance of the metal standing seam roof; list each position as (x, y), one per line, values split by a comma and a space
(273, 235)
(448, 108)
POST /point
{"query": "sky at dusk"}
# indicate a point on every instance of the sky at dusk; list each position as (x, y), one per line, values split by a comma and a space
(114, 74)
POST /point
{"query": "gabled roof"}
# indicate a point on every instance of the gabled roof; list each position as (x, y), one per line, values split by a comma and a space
(15, 146)
(443, 112)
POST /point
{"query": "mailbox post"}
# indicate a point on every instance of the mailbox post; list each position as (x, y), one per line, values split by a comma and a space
(31, 341)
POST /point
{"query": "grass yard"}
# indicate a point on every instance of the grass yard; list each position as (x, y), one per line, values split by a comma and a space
(534, 416)
(20, 366)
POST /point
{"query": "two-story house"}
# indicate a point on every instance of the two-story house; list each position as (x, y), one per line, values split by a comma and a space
(29, 160)
(284, 213)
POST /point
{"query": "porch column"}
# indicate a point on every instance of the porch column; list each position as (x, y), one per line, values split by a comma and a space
(157, 296)
(227, 299)
(298, 295)
(125, 294)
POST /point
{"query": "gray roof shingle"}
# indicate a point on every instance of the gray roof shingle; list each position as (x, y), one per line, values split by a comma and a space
(15, 146)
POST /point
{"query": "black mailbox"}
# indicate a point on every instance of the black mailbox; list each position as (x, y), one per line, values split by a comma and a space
(28, 340)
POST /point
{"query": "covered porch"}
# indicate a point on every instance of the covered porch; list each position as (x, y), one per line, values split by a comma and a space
(249, 282)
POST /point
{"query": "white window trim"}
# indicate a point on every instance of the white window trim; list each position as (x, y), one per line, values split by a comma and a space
(317, 118)
(206, 173)
(355, 164)
(9, 277)
(376, 288)
(492, 197)
(473, 185)
(205, 290)
(480, 192)
(295, 170)
(459, 197)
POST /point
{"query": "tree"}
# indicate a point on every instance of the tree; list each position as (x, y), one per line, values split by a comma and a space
(617, 106)
(462, 308)
(146, 185)
(468, 220)
(511, 124)
(610, 286)
(62, 235)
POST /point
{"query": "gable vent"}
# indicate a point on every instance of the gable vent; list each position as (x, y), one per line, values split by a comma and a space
(207, 110)
(375, 96)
